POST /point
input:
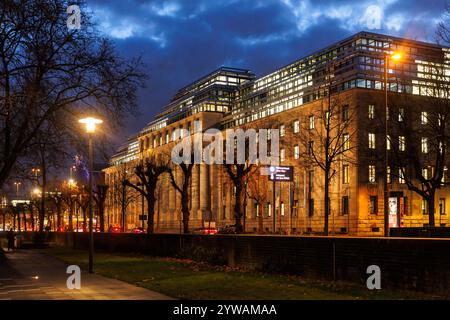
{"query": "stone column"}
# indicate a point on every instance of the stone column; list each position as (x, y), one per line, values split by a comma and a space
(194, 192)
(219, 194)
(205, 205)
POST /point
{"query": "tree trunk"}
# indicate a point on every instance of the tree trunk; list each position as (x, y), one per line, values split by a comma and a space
(431, 208)
(123, 207)
(32, 217)
(326, 201)
(70, 227)
(150, 212)
(238, 208)
(24, 212)
(101, 213)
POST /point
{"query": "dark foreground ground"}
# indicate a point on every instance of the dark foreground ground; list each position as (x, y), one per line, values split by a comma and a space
(31, 275)
(186, 279)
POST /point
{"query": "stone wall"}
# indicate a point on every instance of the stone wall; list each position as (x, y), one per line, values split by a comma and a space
(414, 264)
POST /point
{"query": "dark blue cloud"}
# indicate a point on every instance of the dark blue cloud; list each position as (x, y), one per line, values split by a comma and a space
(182, 40)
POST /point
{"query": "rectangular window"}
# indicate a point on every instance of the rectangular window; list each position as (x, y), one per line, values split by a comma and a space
(345, 174)
(372, 141)
(372, 175)
(269, 209)
(311, 180)
(401, 114)
(311, 207)
(442, 205)
(424, 117)
(282, 208)
(401, 143)
(296, 126)
(371, 112)
(346, 141)
(401, 175)
(373, 205)
(345, 205)
(311, 122)
(167, 137)
(310, 147)
(345, 113)
(388, 142)
(282, 154)
(295, 208)
(425, 173)
(424, 144)
(282, 130)
(296, 152)
(424, 206)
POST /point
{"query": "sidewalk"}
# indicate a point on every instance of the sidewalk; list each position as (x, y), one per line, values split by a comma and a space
(31, 275)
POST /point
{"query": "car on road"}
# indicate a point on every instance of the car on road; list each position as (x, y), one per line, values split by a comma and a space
(205, 230)
(139, 230)
(114, 229)
(230, 229)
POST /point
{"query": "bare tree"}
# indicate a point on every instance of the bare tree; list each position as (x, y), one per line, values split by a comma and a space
(121, 195)
(183, 188)
(258, 185)
(326, 137)
(47, 69)
(421, 157)
(148, 172)
(100, 194)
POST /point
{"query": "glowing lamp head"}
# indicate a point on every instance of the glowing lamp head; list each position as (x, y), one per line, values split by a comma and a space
(396, 56)
(90, 123)
(36, 191)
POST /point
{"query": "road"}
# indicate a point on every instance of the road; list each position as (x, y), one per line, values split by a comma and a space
(29, 275)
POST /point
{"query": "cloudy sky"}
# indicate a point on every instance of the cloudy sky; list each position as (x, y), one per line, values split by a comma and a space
(182, 40)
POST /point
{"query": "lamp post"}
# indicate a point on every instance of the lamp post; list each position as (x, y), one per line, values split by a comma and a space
(17, 184)
(90, 129)
(387, 56)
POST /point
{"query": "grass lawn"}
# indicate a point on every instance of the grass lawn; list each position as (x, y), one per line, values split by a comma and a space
(185, 279)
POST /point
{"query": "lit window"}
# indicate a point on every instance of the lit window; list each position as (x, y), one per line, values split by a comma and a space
(372, 175)
(345, 205)
(424, 117)
(346, 141)
(401, 143)
(345, 174)
(311, 122)
(401, 114)
(373, 204)
(401, 175)
(388, 142)
(167, 137)
(425, 173)
(282, 154)
(442, 205)
(296, 152)
(371, 113)
(371, 140)
(282, 208)
(296, 126)
(424, 145)
(424, 206)
(282, 130)
(345, 113)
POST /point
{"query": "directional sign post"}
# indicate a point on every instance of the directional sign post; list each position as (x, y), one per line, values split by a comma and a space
(281, 174)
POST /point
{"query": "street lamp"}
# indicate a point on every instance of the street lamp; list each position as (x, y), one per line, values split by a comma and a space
(90, 129)
(17, 184)
(387, 56)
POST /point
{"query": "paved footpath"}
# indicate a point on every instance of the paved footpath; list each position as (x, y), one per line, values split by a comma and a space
(29, 275)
